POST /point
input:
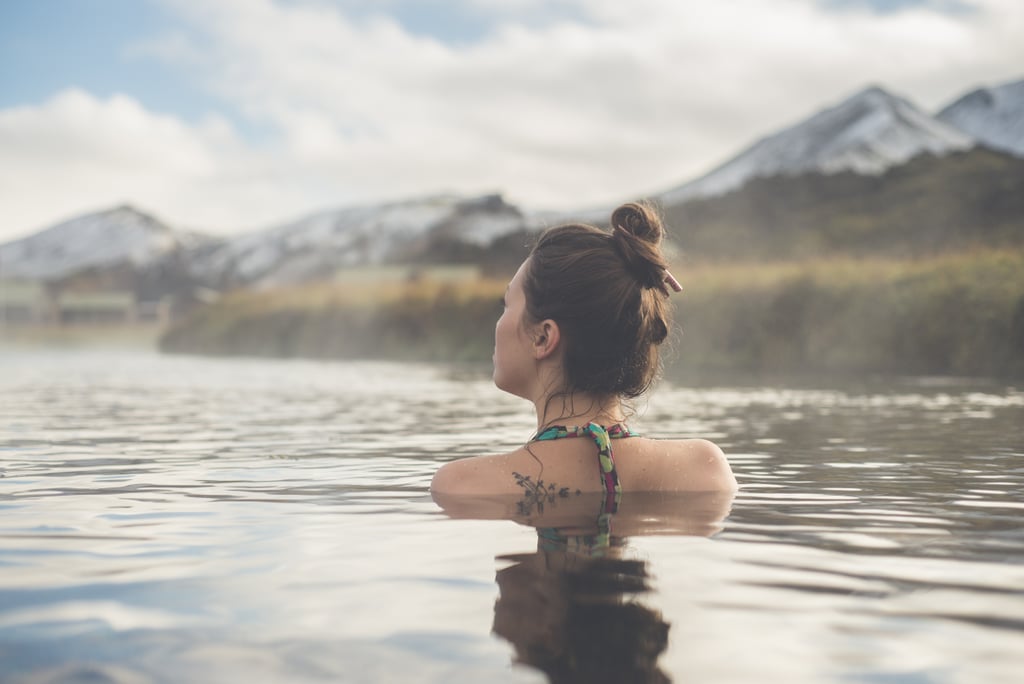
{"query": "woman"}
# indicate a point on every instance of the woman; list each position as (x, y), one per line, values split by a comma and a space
(584, 316)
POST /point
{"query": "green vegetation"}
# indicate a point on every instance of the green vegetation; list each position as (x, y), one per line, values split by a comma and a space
(415, 321)
(956, 313)
(927, 206)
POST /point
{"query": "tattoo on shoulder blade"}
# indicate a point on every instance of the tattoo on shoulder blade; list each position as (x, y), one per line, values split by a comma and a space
(536, 494)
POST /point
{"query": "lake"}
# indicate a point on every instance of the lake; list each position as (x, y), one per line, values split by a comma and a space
(175, 519)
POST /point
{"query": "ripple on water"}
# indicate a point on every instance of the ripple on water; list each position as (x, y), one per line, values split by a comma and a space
(170, 519)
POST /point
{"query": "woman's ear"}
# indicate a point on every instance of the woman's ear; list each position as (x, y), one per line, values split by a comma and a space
(546, 338)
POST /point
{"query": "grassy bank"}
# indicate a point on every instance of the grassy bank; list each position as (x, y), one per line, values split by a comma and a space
(138, 336)
(415, 321)
(957, 314)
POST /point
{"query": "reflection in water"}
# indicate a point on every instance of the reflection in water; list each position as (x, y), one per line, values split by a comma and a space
(575, 617)
(573, 609)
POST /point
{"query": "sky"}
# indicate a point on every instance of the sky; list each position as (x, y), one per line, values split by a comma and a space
(236, 115)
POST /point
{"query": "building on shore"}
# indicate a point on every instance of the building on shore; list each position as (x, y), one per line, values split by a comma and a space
(24, 302)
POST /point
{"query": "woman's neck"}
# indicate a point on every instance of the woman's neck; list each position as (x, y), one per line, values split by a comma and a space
(578, 408)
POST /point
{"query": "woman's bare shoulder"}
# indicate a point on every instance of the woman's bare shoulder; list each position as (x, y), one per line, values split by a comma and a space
(697, 465)
(491, 474)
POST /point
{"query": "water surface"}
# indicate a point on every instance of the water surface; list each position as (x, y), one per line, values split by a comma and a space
(169, 519)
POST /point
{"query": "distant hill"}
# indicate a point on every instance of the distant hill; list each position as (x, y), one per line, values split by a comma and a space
(867, 134)
(440, 228)
(125, 249)
(122, 253)
(119, 237)
(992, 116)
(926, 206)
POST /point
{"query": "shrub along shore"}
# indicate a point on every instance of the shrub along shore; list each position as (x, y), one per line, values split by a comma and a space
(960, 314)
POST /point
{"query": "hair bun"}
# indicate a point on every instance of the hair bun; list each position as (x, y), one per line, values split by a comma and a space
(637, 233)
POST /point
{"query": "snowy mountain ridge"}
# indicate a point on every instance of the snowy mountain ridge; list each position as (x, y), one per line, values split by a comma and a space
(867, 134)
(122, 235)
(357, 236)
(314, 246)
(993, 116)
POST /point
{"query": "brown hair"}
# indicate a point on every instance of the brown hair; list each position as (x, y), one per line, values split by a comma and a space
(607, 293)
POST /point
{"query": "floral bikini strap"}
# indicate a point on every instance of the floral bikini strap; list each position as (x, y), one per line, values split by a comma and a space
(602, 437)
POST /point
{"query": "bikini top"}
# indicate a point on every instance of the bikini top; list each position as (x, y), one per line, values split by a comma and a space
(602, 437)
(551, 538)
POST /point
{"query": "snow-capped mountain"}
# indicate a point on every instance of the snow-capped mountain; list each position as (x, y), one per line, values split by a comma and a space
(120, 236)
(993, 116)
(310, 248)
(318, 245)
(867, 134)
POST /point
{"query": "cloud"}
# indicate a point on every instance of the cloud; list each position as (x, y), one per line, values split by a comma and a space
(76, 152)
(596, 102)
